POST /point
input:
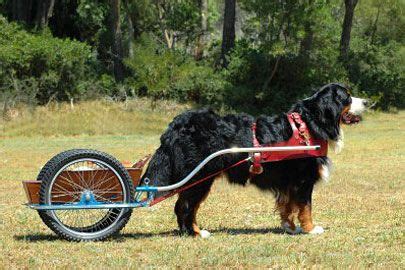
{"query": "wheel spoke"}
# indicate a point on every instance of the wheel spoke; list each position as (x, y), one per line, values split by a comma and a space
(68, 173)
(100, 184)
(67, 191)
(75, 185)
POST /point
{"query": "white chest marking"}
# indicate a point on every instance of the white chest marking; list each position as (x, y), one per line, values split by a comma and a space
(324, 172)
(338, 145)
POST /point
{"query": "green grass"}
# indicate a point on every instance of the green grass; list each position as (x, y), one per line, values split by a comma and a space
(361, 208)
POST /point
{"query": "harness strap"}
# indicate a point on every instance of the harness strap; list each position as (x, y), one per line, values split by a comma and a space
(256, 167)
(255, 141)
(300, 134)
(291, 119)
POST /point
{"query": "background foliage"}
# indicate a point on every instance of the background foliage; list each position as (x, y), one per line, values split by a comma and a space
(283, 51)
(41, 67)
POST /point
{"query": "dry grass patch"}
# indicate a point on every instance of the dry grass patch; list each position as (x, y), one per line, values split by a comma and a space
(138, 116)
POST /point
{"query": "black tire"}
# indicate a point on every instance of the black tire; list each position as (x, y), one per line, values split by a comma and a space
(105, 227)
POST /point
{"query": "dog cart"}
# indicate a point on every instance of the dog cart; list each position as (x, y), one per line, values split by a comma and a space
(87, 195)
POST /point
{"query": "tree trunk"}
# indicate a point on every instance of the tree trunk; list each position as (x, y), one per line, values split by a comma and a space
(169, 37)
(44, 12)
(117, 49)
(202, 35)
(228, 32)
(20, 10)
(131, 34)
(374, 29)
(168, 34)
(130, 29)
(306, 43)
(350, 5)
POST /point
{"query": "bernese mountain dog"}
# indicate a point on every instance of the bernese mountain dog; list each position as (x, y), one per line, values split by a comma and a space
(194, 135)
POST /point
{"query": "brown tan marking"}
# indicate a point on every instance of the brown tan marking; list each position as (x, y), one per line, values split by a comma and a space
(195, 226)
(286, 210)
(345, 110)
(305, 216)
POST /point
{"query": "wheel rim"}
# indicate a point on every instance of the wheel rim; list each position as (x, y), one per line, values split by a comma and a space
(78, 178)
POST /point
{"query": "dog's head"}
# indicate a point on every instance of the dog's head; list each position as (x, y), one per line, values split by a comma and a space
(328, 108)
(334, 101)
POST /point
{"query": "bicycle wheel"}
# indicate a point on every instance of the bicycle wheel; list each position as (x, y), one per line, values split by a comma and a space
(77, 176)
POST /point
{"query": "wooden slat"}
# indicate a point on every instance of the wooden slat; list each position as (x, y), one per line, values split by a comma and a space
(135, 174)
(32, 191)
(73, 181)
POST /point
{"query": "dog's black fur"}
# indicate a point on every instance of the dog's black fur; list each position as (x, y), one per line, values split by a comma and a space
(194, 135)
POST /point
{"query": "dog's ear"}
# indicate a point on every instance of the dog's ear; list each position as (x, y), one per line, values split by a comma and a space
(321, 115)
(325, 120)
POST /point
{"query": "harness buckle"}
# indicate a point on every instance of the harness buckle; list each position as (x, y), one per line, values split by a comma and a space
(256, 167)
(306, 137)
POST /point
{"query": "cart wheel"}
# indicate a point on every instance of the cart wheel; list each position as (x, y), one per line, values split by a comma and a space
(76, 175)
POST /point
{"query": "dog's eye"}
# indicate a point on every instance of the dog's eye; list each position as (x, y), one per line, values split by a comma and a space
(342, 96)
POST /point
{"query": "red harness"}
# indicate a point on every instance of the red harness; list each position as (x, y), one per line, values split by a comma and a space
(301, 136)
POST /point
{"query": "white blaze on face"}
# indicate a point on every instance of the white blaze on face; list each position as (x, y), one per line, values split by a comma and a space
(357, 106)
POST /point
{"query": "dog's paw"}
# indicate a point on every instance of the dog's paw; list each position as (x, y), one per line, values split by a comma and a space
(204, 234)
(297, 230)
(288, 229)
(317, 230)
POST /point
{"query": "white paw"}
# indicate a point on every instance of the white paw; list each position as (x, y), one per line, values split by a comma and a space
(205, 234)
(317, 230)
(288, 229)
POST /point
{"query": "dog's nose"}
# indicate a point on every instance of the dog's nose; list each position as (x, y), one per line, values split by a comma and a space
(365, 102)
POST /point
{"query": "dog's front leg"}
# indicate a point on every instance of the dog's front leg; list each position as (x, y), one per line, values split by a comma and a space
(305, 218)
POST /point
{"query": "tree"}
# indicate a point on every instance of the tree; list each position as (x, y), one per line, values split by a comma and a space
(44, 12)
(228, 32)
(130, 29)
(350, 5)
(306, 42)
(32, 12)
(178, 21)
(117, 49)
(20, 10)
(202, 35)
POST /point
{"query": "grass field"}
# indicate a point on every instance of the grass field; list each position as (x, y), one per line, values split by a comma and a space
(362, 208)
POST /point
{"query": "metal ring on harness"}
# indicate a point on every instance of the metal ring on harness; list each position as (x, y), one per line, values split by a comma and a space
(256, 158)
(256, 167)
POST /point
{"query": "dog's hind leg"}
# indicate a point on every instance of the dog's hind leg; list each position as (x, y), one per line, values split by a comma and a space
(287, 210)
(187, 206)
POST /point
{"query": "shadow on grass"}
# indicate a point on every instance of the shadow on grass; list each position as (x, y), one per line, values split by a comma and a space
(37, 237)
(237, 231)
(123, 236)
